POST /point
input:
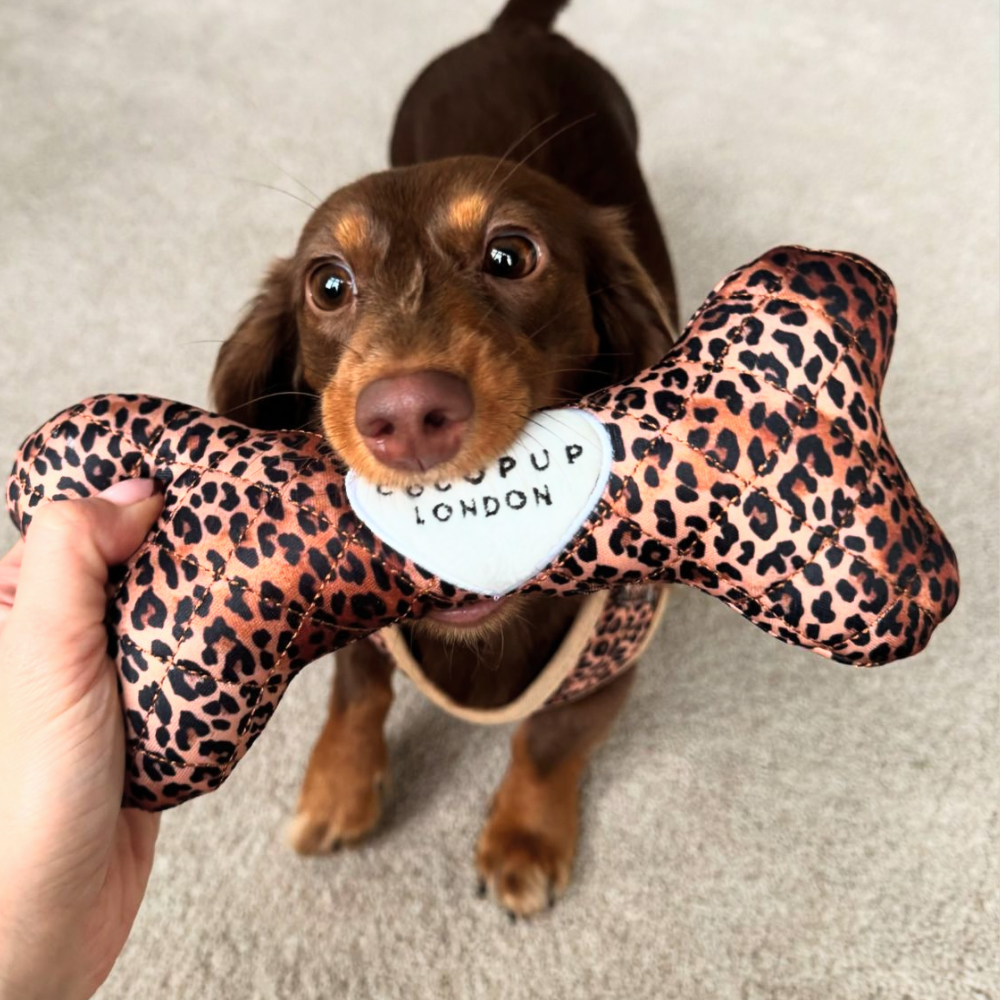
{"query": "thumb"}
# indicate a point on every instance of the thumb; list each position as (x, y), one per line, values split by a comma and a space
(68, 548)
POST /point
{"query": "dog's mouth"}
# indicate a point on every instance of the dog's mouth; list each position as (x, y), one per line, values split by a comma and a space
(470, 615)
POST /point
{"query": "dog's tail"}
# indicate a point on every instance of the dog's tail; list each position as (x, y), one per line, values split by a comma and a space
(537, 13)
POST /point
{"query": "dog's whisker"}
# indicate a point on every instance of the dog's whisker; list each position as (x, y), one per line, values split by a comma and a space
(489, 312)
(568, 371)
(528, 419)
(268, 395)
(590, 295)
(555, 135)
(272, 187)
(533, 420)
(277, 166)
(558, 421)
(517, 142)
(354, 351)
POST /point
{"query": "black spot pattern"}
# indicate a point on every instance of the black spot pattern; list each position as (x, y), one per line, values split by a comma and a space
(750, 462)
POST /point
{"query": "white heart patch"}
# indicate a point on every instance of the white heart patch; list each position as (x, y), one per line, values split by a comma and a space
(492, 531)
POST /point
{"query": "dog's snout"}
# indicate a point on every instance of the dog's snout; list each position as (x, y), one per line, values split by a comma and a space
(414, 422)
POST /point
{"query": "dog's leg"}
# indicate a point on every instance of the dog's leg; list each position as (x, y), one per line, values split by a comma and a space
(341, 797)
(526, 848)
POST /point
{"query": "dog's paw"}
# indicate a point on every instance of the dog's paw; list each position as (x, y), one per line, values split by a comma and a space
(340, 802)
(325, 824)
(524, 871)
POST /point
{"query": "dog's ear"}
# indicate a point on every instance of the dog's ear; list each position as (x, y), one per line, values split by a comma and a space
(257, 378)
(634, 327)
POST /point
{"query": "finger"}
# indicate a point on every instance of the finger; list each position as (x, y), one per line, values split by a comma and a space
(67, 552)
(10, 569)
(13, 558)
(123, 493)
(129, 491)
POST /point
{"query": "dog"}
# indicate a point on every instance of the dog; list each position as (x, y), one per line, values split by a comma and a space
(510, 260)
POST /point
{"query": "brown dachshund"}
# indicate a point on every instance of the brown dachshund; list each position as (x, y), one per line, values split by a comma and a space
(510, 260)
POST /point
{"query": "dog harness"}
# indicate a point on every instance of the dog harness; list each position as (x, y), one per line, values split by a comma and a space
(609, 633)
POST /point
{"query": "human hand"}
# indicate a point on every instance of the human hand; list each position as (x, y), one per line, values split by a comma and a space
(73, 863)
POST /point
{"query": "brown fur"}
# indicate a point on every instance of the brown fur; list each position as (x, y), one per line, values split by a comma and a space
(600, 306)
(526, 848)
(341, 797)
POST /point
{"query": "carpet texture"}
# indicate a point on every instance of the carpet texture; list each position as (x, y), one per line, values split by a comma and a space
(761, 824)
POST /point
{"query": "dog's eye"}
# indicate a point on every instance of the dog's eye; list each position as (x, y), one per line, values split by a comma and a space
(510, 257)
(330, 286)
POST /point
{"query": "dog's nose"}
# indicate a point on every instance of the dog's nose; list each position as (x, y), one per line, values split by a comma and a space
(414, 422)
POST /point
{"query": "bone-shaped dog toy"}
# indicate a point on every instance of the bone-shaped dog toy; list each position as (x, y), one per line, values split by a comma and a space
(751, 462)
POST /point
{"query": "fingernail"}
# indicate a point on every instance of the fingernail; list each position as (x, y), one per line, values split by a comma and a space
(129, 491)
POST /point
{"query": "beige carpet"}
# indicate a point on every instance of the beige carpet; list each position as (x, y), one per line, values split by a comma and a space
(762, 824)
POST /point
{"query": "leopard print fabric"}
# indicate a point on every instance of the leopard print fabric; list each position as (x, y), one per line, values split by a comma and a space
(618, 640)
(751, 462)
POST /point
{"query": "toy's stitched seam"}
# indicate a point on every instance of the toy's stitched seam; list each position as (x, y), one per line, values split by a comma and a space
(34, 491)
(899, 593)
(83, 414)
(153, 442)
(780, 584)
(137, 746)
(245, 587)
(806, 408)
(168, 517)
(22, 473)
(216, 437)
(168, 664)
(754, 485)
(899, 598)
(805, 304)
(144, 731)
(748, 485)
(283, 658)
(39, 492)
(755, 302)
(176, 765)
(269, 488)
(733, 336)
(769, 612)
(326, 523)
(732, 587)
(159, 684)
(199, 672)
(868, 466)
(592, 529)
(812, 408)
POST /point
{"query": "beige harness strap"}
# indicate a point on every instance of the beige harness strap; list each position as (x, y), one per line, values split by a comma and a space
(575, 647)
(534, 695)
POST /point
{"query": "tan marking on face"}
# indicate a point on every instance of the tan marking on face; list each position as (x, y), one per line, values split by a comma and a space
(467, 211)
(352, 229)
